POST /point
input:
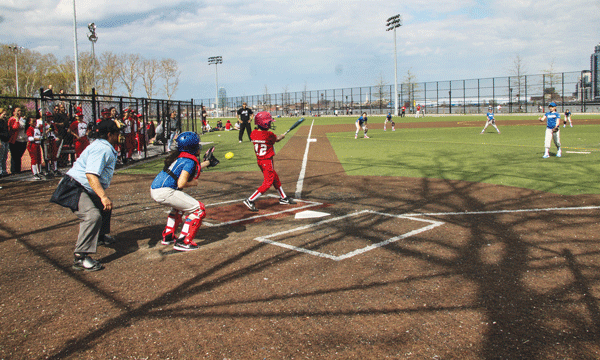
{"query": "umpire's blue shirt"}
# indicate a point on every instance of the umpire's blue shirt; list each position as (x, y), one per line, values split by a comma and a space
(99, 158)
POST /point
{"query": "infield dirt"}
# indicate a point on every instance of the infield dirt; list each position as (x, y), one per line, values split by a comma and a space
(498, 278)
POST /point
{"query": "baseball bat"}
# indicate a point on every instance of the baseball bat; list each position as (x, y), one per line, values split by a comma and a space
(294, 126)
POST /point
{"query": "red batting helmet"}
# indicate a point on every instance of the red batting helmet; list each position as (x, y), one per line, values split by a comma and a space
(264, 120)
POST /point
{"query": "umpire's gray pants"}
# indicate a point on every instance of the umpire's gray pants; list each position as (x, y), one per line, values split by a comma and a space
(94, 222)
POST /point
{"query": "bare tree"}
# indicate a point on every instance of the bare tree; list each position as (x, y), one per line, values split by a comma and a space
(409, 87)
(518, 70)
(552, 77)
(381, 92)
(108, 72)
(129, 71)
(150, 74)
(169, 72)
(86, 75)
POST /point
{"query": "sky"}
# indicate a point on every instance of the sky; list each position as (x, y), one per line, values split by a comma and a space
(279, 46)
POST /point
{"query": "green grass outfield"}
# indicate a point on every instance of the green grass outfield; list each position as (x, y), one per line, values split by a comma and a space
(513, 158)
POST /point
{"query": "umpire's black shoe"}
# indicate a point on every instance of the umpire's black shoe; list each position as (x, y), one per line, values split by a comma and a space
(286, 201)
(84, 262)
(250, 205)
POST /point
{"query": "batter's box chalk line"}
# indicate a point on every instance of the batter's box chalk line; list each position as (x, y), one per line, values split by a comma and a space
(308, 204)
(267, 239)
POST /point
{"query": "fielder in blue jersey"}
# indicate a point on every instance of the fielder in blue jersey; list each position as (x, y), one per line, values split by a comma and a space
(552, 119)
(490, 120)
(388, 118)
(567, 118)
(362, 122)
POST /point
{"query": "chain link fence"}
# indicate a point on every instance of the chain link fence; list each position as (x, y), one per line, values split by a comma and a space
(152, 134)
(514, 94)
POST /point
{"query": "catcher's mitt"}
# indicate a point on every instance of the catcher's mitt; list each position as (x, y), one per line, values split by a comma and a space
(209, 156)
(556, 129)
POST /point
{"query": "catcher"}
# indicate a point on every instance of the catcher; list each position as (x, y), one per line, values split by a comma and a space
(182, 169)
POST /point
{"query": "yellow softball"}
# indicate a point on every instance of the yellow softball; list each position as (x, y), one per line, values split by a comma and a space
(229, 155)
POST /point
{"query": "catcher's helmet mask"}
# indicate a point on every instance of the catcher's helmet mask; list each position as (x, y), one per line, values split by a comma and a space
(188, 142)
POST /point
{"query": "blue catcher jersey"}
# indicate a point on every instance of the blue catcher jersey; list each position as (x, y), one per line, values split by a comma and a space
(552, 119)
(165, 180)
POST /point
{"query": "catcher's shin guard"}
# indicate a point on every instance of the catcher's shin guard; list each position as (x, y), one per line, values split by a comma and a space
(173, 222)
(192, 224)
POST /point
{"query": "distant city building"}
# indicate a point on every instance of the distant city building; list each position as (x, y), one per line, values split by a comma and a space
(595, 69)
(222, 97)
(584, 86)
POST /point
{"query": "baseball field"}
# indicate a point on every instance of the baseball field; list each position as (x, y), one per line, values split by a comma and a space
(429, 242)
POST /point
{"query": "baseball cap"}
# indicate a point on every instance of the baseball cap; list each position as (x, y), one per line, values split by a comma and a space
(552, 104)
(107, 127)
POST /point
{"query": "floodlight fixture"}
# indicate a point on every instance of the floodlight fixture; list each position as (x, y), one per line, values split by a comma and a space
(394, 22)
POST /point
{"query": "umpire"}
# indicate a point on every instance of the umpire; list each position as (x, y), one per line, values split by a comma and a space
(245, 115)
(83, 190)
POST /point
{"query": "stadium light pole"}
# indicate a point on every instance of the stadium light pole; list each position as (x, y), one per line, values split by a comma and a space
(16, 49)
(393, 23)
(76, 52)
(93, 38)
(216, 60)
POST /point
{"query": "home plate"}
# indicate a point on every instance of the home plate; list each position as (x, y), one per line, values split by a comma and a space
(309, 214)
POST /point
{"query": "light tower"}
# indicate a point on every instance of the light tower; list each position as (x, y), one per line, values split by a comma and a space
(216, 60)
(393, 23)
(93, 38)
(16, 49)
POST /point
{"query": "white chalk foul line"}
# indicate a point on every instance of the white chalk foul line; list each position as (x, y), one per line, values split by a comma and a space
(504, 211)
(309, 204)
(266, 239)
(300, 182)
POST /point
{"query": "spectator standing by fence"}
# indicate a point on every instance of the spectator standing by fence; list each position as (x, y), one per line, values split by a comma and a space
(17, 125)
(174, 126)
(4, 137)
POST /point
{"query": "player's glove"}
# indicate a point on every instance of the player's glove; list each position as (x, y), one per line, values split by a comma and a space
(555, 129)
(210, 157)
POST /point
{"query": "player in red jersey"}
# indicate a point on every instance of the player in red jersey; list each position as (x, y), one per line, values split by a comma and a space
(34, 140)
(51, 136)
(79, 130)
(263, 141)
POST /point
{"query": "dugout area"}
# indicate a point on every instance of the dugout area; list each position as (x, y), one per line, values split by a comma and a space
(401, 268)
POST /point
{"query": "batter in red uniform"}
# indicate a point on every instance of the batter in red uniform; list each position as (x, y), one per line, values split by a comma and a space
(263, 141)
